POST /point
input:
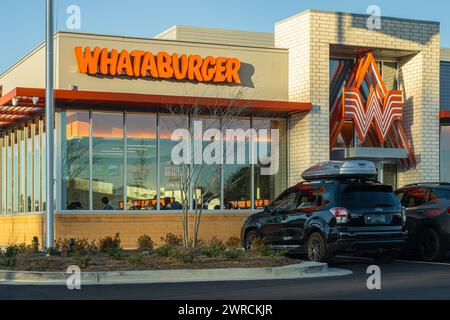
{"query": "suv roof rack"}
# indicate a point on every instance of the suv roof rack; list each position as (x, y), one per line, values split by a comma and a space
(343, 179)
(341, 170)
(428, 183)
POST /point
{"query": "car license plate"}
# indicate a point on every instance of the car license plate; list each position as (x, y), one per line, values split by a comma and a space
(375, 219)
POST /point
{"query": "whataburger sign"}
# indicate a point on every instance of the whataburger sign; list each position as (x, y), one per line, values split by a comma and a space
(145, 64)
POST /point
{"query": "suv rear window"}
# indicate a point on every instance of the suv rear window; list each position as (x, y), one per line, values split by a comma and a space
(361, 197)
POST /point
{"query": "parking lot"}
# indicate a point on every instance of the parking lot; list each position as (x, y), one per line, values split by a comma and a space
(399, 280)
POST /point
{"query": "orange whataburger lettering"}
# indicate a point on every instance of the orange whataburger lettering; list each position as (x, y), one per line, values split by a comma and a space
(209, 69)
(139, 63)
(180, 68)
(148, 66)
(165, 65)
(108, 62)
(125, 64)
(87, 60)
(221, 70)
(137, 56)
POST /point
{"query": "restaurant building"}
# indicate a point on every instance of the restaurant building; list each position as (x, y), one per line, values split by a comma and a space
(333, 89)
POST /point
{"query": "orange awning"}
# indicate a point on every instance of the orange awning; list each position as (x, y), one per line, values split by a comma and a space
(18, 106)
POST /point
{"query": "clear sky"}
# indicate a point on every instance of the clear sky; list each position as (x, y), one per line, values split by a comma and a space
(22, 21)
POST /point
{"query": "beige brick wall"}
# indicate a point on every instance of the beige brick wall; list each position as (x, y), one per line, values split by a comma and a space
(309, 35)
(18, 229)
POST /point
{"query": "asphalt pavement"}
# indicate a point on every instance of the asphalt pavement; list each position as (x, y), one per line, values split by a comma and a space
(399, 280)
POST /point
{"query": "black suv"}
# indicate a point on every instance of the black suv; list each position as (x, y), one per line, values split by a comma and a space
(327, 217)
(428, 219)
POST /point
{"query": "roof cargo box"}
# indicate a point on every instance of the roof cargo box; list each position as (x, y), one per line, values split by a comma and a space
(360, 169)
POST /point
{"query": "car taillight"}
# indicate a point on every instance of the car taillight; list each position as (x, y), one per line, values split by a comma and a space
(341, 215)
(448, 210)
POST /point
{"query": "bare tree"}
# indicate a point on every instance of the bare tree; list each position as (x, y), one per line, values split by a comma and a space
(200, 184)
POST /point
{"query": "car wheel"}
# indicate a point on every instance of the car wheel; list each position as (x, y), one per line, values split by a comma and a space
(430, 245)
(250, 239)
(316, 248)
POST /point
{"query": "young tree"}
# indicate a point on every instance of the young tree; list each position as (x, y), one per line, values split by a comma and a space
(200, 182)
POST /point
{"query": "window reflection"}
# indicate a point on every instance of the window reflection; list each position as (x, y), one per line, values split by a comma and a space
(445, 153)
(75, 159)
(23, 169)
(37, 166)
(268, 187)
(4, 177)
(141, 162)
(237, 176)
(171, 194)
(207, 176)
(107, 160)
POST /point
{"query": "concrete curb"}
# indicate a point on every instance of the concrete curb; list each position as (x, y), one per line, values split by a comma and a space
(298, 271)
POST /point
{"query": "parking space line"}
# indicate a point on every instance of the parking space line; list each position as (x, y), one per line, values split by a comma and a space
(424, 262)
(401, 261)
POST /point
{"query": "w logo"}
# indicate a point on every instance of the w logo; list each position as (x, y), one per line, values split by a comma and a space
(381, 113)
(376, 117)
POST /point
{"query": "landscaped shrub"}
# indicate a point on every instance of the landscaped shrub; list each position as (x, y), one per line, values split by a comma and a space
(35, 244)
(214, 242)
(145, 243)
(187, 257)
(165, 251)
(172, 240)
(263, 250)
(215, 248)
(212, 251)
(54, 252)
(82, 261)
(108, 243)
(233, 243)
(71, 247)
(24, 248)
(117, 254)
(137, 260)
(234, 254)
(11, 251)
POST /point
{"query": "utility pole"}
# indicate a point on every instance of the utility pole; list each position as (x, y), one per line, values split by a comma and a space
(49, 124)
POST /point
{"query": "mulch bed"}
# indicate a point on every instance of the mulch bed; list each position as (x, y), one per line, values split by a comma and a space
(102, 262)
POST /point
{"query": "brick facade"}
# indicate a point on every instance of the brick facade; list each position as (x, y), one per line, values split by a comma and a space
(309, 35)
(22, 228)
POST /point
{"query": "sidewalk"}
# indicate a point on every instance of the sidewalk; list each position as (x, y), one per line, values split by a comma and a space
(298, 271)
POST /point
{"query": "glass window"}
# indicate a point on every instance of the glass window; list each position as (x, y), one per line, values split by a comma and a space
(360, 197)
(30, 173)
(9, 174)
(75, 160)
(142, 161)
(37, 168)
(270, 176)
(170, 174)
(107, 161)
(3, 172)
(22, 170)
(286, 201)
(206, 176)
(417, 197)
(16, 183)
(43, 165)
(237, 169)
(445, 153)
(440, 194)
